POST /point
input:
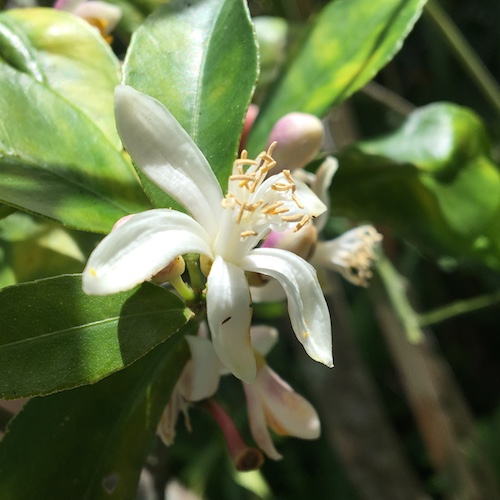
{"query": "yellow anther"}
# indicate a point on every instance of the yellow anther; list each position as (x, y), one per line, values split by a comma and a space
(272, 208)
(302, 223)
(278, 186)
(246, 234)
(288, 176)
(296, 200)
(292, 218)
(93, 272)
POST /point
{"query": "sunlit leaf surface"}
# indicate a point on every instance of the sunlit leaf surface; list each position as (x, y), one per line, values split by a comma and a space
(60, 155)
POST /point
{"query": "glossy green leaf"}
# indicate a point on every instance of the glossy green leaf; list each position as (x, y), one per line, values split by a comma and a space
(433, 181)
(97, 437)
(34, 248)
(199, 59)
(350, 41)
(66, 61)
(55, 337)
(59, 153)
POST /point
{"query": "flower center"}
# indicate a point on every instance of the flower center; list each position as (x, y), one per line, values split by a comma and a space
(256, 201)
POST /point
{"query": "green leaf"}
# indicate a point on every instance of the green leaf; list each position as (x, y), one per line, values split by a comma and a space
(34, 248)
(432, 180)
(60, 156)
(91, 442)
(55, 337)
(199, 59)
(350, 41)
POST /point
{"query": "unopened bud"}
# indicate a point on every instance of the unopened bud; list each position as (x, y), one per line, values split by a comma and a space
(175, 269)
(205, 264)
(299, 137)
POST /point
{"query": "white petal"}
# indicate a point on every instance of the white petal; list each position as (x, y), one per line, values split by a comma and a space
(306, 304)
(263, 338)
(321, 186)
(229, 315)
(141, 247)
(257, 421)
(200, 377)
(287, 413)
(167, 155)
(100, 10)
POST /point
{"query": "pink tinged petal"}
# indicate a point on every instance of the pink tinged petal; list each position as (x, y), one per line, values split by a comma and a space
(321, 186)
(263, 338)
(286, 412)
(299, 137)
(307, 307)
(100, 10)
(200, 377)
(163, 150)
(257, 421)
(141, 247)
(229, 314)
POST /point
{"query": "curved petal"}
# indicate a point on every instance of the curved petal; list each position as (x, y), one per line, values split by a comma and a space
(140, 248)
(167, 155)
(287, 413)
(307, 307)
(229, 315)
(257, 421)
(200, 377)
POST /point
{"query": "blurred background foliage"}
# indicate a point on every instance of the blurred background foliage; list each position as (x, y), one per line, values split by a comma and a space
(401, 419)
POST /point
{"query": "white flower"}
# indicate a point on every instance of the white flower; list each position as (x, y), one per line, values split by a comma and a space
(225, 229)
(272, 403)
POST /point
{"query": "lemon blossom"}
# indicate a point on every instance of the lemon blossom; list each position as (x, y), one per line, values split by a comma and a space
(224, 229)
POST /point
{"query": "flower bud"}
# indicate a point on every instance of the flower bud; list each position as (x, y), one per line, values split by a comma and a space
(175, 269)
(299, 137)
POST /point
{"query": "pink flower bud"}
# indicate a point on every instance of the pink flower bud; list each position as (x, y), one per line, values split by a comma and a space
(299, 137)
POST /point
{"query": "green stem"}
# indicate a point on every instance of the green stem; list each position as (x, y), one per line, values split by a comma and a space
(185, 292)
(395, 287)
(193, 268)
(464, 52)
(459, 307)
